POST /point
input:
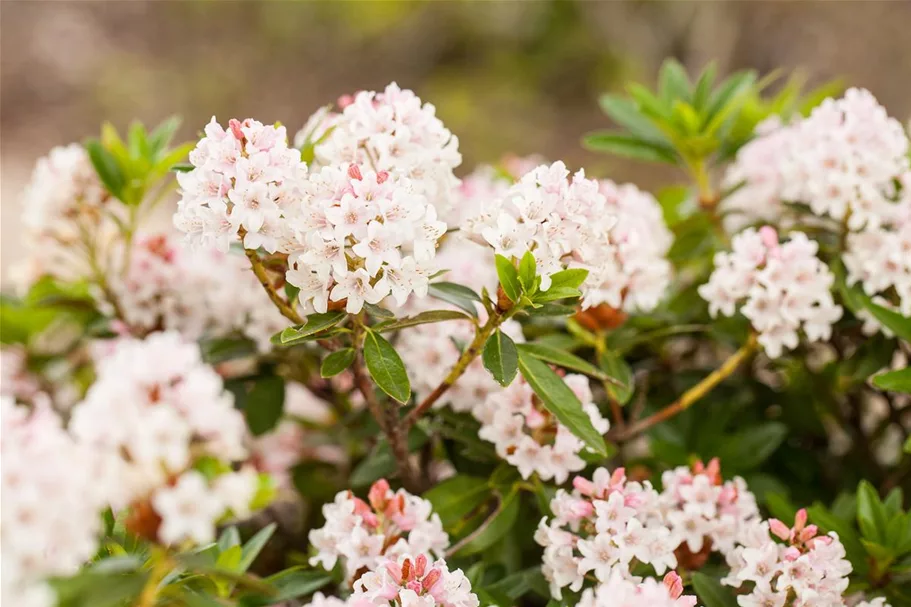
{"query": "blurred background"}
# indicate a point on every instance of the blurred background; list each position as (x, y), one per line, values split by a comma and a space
(519, 76)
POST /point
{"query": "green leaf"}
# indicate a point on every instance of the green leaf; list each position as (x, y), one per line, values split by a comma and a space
(109, 171)
(501, 358)
(496, 526)
(380, 462)
(570, 279)
(378, 311)
(711, 593)
(871, 513)
(894, 381)
(621, 389)
(98, 590)
(626, 113)
(337, 362)
(528, 268)
(895, 322)
(456, 497)
(673, 81)
(423, 318)
(629, 146)
(555, 293)
(229, 559)
(297, 582)
(182, 167)
(264, 405)
(564, 359)
(254, 546)
(560, 401)
(386, 367)
(316, 323)
(228, 538)
(747, 449)
(161, 137)
(726, 98)
(138, 144)
(518, 584)
(826, 521)
(509, 278)
(458, 295)
(704, 86)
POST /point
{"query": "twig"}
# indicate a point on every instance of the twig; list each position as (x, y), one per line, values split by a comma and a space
(695, 393)
(283, 306)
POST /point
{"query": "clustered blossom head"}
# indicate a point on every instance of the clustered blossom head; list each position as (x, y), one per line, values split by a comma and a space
(362, 235)
(704, 511)
(529, 437)
(806, 570)
(52, 499)
(621, 592)
(196, 292)
(391, 130)
(156, 410)
(843, 161)
(410, 581)
(601, 529)
(245, 181)
(564, 223)
(785, 288)
(633, 273)
(389, 524)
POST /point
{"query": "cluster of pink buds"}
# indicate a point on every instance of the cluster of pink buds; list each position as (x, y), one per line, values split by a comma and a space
(801, 537)
(413, 581)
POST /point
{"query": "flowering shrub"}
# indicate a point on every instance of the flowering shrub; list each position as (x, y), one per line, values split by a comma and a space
(349, 377)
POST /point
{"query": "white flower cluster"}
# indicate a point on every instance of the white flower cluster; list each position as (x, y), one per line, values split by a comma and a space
(618, 591)
(430, 350)
(634, 273)
(603, 528)
(154, 411)
(877, 602)
(880, 260)
(392, 131)
(196, 292)
(16, 381)
(52, 500)
(413, 582)
(808, 570)
(485, 185)
(245, 179)
(528, 436)
(563, 223)
(786, 288)
(704, 511)
(362, 236)
(388, 525)
(843, 161)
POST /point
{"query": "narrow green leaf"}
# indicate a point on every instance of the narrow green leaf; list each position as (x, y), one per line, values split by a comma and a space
(673, 81)
(509, 278)
(728, 98)
(560, 401)
(161, 137)
(899, 325)
(316, 323)
(570, 279)
(894, 381)
(458, 295)
(109, 172)
(555, 293)
(229, 537)
(871, 513)
(378, 311)
(138, 144)
(704, 87)
(496, 526)
(749, 448)
(430, 316)
(501, 358)
(337, 362)
(711, 593)
(297, 582)
(455, 498)
(629, 146)
(527, 270)
(264, 405)
(254, 546)
(386, 367)
(564, 359)
(626, 113)
(621, 390)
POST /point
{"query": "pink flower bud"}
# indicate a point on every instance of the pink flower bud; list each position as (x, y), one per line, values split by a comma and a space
(432, 577)
(769, 237)
(377, 494)
(382, 176)
(674, 584)
(791, 554)
(800, 519)
(344, 101)
(235, 127)
(354, 172)
(420, 565)
(779, 529)
(808, 533)
(583, 485)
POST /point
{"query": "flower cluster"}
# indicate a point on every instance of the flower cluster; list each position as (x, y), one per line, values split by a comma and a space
(196, 292)
(807, 569)
(880, 260)
(634, 273)
(843, 161)
(527, 436)
(389, 524)
(52, 497)
(362, 236)
(603, 527)
(392, 131)
(786, 288)
(563, 223)
(621, 592)
(702, 510)
(244, 181)
(157, 412)
(413, 582)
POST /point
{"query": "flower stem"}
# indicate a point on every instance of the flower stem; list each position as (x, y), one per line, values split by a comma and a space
(695, 393)
(160, 568)
(283, 306)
